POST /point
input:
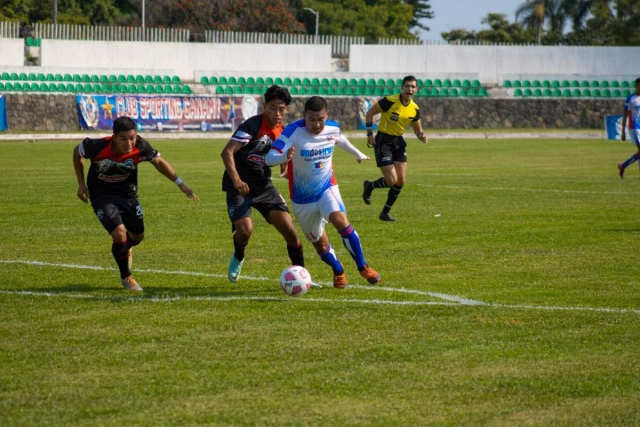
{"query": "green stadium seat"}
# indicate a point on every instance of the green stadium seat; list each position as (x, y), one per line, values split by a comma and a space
(576, 93)
(586, 92)
(526, 83)
(23, 76)
(556, 92)
(446, 83)
(251, 81)
(434, 92)
(14, 76)
(303, 90)
(565, 83)
(44, 87)
(343, 82)
(507, 84)
(331, 90)
(221, 80)
(626, 93)
(166, 80)
(17, 86)
(604, 84)
(102, 79)
(387, 91)
(204, 80)
(527, 93)
(131, 78)
(32, 77)
(584, 83)
(121, 78)
(9, 86)
(476, 84)
(362, 82)
(141, 88)
(293, 90)
(341, 90)
(483, 92)
(5, 76)
(360, 90)
(575, 83)
(371, 83)
(369, 91)
(334, 82)
(260, 81)
(325, 81)
(286, 81)
(148, 78)
(457, 83)
(26, 87)
(427, 83)
(228, 90)
(424, 90)
(596, 93)
(614, 84)
(306, 81)
(616, 93)
(248, 89)
(2, 87)
(517, 83)
(594, 83)
(547, 92)
(219, 90)
(139, 78)
(176, 80)
(187, 90)
(624, 83)
(566, 93)
(268, 81)
(380, 82)
(76, 78)
(463, 91)
(29, 41)
(95, 87)
(436, 83)
(390, 82)
(606, 93)
(536, 83)
(70, 87)
(296, 81)
(453, 92)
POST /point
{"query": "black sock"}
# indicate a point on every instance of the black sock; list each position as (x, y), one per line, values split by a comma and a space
(131, 242)
(120, 253)
(393, 194)
(296, 255)
(379, 183)
(239, 250)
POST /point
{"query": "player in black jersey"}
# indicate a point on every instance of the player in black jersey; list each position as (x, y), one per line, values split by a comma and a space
(247, 180)
(112, 187)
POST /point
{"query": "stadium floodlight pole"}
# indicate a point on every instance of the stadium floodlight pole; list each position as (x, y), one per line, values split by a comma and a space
(143, 14)
(317, 20)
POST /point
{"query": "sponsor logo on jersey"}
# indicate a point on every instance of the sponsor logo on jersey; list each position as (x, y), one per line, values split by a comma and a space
(100, 214)
(256, 158)
(317, 152)
(318, 165)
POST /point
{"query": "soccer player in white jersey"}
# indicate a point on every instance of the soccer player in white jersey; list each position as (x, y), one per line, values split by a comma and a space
(631, 112)
(307, 145)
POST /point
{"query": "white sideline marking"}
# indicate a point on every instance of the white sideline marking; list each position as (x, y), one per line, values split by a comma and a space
(446, 297)
(312, 299)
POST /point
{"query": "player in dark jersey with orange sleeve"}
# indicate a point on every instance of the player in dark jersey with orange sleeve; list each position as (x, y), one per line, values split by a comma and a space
(112, 187)
(247, 180)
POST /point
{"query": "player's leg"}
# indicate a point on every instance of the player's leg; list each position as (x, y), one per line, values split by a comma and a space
(312, 224)
(400, 169)
(635, 138)
(133, 222)
(274, 209)
(332, 207)
(239, 210)
(384, 160)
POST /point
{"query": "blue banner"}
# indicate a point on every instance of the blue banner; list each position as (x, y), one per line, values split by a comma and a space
(167, 113)
(613, 125)
(3, 113)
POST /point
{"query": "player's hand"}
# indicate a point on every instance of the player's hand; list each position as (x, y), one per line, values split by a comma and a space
(242, 187)
(190, 194)
(371, 141)
(424, 138)
(290, 152)
(83, 193)
(360, 160)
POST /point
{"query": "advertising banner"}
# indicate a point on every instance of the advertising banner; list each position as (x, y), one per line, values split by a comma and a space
(167, 113)
(613, 125)
(362, 106)
(3, 113)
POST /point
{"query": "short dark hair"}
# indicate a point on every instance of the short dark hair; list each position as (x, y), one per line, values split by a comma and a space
(638, 80)
(409, 79)
(277, 92)
(315, 103)
(123, 124)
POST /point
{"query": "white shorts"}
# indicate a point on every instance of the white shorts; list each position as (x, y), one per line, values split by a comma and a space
(313, 216)
(635, 136)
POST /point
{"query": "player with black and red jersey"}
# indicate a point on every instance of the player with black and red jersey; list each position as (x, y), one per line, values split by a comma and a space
(247, 180)
(112, 187)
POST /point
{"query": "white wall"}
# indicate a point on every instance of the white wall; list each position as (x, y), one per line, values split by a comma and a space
(492, 64)
(11, 52)
(182, 59)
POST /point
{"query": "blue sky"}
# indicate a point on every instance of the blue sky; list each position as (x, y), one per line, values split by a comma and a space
(467, 14)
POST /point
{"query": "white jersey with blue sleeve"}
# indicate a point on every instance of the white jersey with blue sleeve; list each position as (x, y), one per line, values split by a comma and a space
(311, 167)
(632, 108)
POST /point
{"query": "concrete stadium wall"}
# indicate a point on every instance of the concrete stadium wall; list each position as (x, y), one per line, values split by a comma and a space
(11, 52)
(182, 59)
(492, 64)
(40, 112)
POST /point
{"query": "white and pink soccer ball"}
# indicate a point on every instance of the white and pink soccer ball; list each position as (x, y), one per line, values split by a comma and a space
(295, 281)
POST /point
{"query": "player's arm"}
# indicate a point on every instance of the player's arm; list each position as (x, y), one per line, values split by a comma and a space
(229, 161)
(625, 114)
(347, 146)
(78, 166)
(165, 169)
(281, 152)
(368, 118)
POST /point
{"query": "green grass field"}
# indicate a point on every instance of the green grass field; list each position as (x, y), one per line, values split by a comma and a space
(510, 297)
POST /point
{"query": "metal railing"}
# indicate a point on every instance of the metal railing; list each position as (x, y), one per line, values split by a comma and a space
(339, 44)
(91, 32)
(10, 30)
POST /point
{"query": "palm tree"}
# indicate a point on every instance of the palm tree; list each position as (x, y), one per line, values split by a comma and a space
(534, 14)
(578, 10)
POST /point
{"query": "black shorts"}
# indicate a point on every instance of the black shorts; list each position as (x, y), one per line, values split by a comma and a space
(389, 149)
(113, 211)
(267, 200)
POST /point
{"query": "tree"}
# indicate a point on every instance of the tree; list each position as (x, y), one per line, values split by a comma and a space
(535, 13)
(500, 31)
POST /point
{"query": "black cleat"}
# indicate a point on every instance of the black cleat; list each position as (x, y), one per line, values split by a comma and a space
(386, 217)
(621, 170)
(366, 192)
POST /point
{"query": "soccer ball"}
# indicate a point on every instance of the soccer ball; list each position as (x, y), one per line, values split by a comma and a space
(295, 280)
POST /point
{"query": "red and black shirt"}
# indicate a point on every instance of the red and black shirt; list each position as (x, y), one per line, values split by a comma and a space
(113, 174)
(256, 137)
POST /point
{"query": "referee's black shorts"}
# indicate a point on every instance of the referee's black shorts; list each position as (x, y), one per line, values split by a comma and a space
(389, 149)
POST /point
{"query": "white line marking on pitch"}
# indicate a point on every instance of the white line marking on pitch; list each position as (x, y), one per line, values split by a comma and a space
(137, 298)
(536, 190)
(439, 295)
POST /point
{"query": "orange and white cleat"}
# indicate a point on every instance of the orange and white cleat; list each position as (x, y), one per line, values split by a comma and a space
(130, 284)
